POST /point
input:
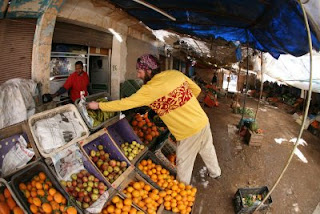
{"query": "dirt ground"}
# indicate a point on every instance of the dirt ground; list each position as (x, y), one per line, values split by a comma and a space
(244, 166)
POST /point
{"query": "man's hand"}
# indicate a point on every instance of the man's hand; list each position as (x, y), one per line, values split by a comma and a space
(93, 105)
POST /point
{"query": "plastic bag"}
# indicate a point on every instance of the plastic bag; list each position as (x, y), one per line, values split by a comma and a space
(16, 99)
(17, 157)
(83, 109)
(57, 131)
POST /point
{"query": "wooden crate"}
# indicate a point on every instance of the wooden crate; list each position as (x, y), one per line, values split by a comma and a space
(253, 139)
(50, 113)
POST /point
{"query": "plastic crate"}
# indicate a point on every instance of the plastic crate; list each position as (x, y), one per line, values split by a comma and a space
(164, 149)
(243, 192)
(122, 132)
(10, 135)
(102, 138)
(88, 165)
(155, 160)
(133, 177)
(27, 174)
(50, 113)
(3, 185)
(106, 123)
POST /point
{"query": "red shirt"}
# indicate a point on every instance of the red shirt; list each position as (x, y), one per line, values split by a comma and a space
(77, 83)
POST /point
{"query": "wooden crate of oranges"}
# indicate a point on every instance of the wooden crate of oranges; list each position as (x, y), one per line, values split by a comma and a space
(178, 197)
(142, 193)
(117, 204)
(40, 192)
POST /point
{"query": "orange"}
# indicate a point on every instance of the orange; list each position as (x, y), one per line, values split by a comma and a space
(71, 210)
(127, 202)
(142, 184)
(111, 209)
(141, 204)
(2, 198)
(17, 210)
(39, 185)
(130, 189)
(58, 197)
(22, 186)
(117, 211)
(194, 189)
(119, 205)
(188, 187)
(49, 183)
(115, 199)
(33, 208)
(42, 176)
(30, 200)
(64, 200)
(7, 193)
(36, 201)
(54, 205)
(45, 186)
(33, 183)
(137, 186)
(135, 193)
(49, 198)
(11, 203)
(40, 192)
(52, 191)
(46, 208)
(133, 211)
(62, 208)
(175, 210)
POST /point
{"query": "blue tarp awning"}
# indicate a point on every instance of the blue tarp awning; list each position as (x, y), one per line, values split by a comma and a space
(274, 26)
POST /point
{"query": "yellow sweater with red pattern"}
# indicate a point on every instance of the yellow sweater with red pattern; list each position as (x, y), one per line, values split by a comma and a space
(173, 96)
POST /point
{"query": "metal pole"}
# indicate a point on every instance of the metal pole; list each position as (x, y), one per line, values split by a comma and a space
(261, 88)
(305, 113)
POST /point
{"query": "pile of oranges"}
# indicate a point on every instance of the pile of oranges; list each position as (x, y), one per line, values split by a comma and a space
(7, 203)
(144, 196)
(178, 197)
(43, 197)
(120, 206)
(144, 128)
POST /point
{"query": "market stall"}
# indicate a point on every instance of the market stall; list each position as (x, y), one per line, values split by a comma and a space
(113, 169)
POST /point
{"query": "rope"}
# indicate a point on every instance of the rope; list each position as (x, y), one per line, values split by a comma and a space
(305, 113)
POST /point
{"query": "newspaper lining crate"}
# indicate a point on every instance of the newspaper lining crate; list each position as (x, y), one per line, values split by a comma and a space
(166, 148)
(27, 174)
(9, 135)
(3, 185)
(102, 138)
(106, 123)
(122, 132)
(89, 166)
(50, 113)
(155, 160)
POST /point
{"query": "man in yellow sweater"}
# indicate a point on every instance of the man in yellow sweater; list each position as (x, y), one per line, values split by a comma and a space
(173, 96)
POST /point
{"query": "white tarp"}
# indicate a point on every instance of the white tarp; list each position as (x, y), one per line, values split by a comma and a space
(294, 71)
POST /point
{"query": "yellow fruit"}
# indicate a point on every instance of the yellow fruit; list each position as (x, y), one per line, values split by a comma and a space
(127, 202)
(115, 199)
(137, 185)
